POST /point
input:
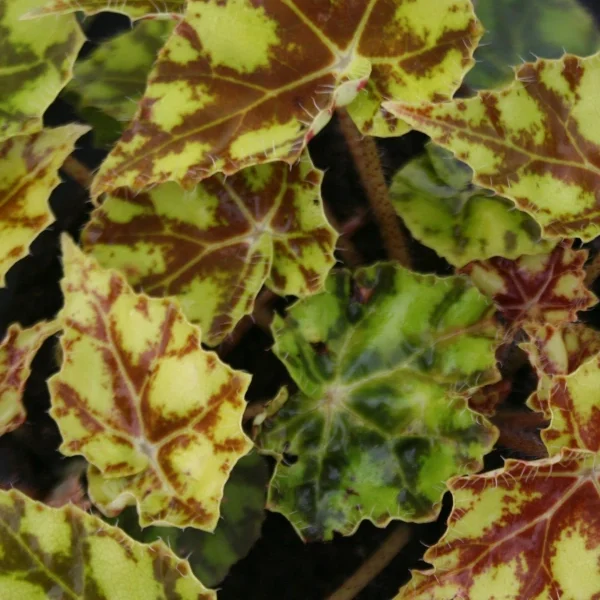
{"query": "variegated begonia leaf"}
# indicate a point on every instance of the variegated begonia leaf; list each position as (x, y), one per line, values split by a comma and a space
(112, 78)
(462, 222)
(36, 60)
(516, 31)
(241, 83)
(17, 351)
(140, 399)
(28, 173)
(210, 555)
(528, 531)
(485, 400)
(65, 553)
(380, 422)
(536, 142)
(557, 351)
(135, 9)
(545, 288)
(214, 247)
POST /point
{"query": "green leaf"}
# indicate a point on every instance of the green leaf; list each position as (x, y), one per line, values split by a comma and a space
(66, 553)
(536, 142)
(462, 222)
(142, 401)
(28, 174)
(112, 78)
(17, 351)
(135, 9)
(241, 83)
(517, 31)
(214, 247)
(383, 364)
(36, 62)
(528, 531)
(211, 555)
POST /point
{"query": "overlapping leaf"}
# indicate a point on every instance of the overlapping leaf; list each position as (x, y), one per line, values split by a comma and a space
(378, 424)
(66, 553)
(28, 174)
(536, 142)
(135, 9)
(529, 530)
(241, 83)
(35, 64)
(557, 351)
(112, 79)
(517, 31)
(462, 222)
(17, 351)
(211, 555)
(486, 399)
(141, 400)
(214, 247)
(546, 288)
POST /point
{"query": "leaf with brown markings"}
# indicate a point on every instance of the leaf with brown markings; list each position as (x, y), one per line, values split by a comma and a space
(134, 9)
(142, 401)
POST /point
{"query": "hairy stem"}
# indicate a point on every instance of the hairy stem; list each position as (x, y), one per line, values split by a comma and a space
(366, 159)
(380, 559)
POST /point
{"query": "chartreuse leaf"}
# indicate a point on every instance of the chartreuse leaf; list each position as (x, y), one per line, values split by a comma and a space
(135, 9)
(546, 288)
(211, 555)
(241, 83)
(529, 530)
(557, 351)
(112, 79)
(36, 60)
(380, 420)
(536, 142)
(140, 399)
(516, 31)
(214, 247)
(68, 554)
(28, 173)
(462, 222)
(17, 350)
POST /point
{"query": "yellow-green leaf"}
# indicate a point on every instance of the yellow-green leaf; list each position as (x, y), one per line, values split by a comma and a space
(383, 362)
(142, 401)
(67, 554)
(528, 531)
(536, 142)
(214, 247)
(17, 351)
(28, 174)
(134, 9)
(462, 222)
(241, 83)
(36, 60)
(112, 78)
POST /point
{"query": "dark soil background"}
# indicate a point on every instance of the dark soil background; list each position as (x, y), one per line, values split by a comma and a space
(280, 565)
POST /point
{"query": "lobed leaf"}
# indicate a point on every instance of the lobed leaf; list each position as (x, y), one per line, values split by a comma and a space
(219, 102)
(380, 420)
(140, 399)
(28, 174)
(112, 78)
(17, 351)
(462, 222)
(536, 142)
(516, 30)
(134, 9)
(66, 553)
(216, 246)
(36, 62)
(529, 530)
(546, 288)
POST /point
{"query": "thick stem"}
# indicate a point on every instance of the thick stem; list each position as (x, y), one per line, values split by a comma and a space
(373, 565)
(366, 159)
(77, 171)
